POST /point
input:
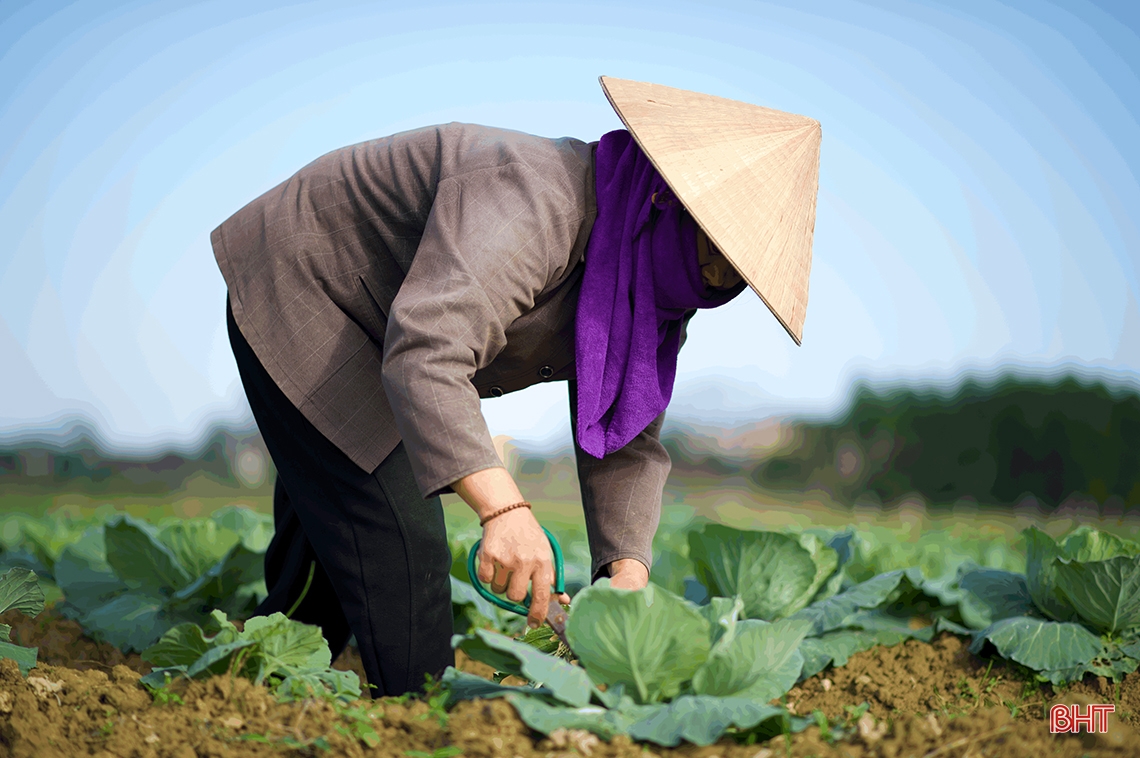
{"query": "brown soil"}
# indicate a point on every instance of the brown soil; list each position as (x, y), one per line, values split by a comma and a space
(925, 700)
(61, 642)
(943, 677)
(919, 678)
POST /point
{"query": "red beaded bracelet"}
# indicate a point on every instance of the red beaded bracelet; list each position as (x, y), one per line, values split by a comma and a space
(501, 511)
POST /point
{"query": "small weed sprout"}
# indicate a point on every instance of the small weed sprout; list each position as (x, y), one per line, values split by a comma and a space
(448, 751)
(436, 697)
(824, 725)
(162, 695)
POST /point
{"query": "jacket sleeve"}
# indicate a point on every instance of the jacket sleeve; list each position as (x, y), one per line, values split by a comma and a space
(493, 239)
(621, 493)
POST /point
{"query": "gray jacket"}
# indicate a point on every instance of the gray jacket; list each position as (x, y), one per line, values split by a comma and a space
(389, 285)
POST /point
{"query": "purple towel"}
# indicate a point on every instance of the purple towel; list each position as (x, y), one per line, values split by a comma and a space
(641, 276)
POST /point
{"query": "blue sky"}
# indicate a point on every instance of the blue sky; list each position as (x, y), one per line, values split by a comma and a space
(978, 205)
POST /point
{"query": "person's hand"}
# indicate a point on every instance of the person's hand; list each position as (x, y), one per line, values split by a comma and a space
(515, 553)
(628, 574)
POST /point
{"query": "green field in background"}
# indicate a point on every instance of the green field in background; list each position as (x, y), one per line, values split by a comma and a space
(907, 533)
(736, 505)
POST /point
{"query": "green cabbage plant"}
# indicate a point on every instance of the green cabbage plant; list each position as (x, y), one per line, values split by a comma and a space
(128, 581)
(1075, 611)
(803, 576)
(291, 657)
(774, 574)
(651, 665)
(19, 590)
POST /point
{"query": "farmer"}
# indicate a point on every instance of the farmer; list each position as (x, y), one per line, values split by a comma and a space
(380, 292)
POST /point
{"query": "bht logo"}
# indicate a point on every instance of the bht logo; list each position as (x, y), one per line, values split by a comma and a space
(1068, 718)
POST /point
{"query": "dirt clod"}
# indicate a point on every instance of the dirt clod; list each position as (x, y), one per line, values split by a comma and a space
(579, 739)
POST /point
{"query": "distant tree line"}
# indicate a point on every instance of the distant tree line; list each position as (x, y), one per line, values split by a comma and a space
(995, 444)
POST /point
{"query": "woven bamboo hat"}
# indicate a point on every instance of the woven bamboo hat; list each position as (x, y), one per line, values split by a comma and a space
(748, 175)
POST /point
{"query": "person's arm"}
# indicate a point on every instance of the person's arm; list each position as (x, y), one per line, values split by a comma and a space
(621, 498)
(494, 238)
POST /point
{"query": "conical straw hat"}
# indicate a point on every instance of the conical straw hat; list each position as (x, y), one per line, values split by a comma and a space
(748, 175)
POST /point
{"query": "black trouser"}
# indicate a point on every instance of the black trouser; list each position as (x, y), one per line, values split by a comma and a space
(377, 549)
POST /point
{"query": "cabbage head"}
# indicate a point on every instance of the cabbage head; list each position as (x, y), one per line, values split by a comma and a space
(1092, 577)
(774, 574)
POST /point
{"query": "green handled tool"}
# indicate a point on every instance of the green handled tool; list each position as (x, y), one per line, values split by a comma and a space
(555, 614)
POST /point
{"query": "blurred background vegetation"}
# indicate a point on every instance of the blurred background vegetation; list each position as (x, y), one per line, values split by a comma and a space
(924, 478)
(993, 445)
